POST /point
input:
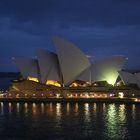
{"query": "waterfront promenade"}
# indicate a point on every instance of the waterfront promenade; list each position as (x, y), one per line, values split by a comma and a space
(79, 100)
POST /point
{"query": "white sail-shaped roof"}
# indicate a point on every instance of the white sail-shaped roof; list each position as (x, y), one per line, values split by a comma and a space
(127, 78)
(71, 59)
(107, 69)
(28, 67)
(85, 75)
(48, 64)
(35, 70)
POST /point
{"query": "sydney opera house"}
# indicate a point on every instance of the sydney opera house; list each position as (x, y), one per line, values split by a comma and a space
(70, 73)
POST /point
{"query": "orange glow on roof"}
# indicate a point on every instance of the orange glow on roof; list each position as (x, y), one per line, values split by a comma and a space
(33, 79)
(53, 82)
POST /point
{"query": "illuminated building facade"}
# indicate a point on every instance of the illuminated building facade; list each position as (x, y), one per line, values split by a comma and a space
(68, 69)
(68, 64)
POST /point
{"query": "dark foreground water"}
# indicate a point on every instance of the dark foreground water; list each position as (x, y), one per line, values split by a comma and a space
(49, 121)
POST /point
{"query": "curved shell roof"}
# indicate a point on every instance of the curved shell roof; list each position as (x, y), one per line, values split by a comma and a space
(71, 59)
(48, 64)
(127, 77)
(107, 69)
(70, 64)
(28, 67)
(137, 76)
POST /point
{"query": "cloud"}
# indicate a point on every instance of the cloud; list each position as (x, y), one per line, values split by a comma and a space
(99, 27)
(89, 12)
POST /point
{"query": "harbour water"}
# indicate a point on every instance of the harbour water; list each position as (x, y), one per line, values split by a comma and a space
(58, 121)
(5, 83)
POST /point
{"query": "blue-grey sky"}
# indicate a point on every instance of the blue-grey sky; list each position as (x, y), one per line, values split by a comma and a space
(100, 28)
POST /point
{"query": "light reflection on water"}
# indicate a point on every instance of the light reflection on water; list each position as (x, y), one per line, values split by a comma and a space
(25, 108)
(58, 115)
(34, 108)
(115, 121)
(10, 108)
(76, 108)
(94, 107)
(1, 108)
(122, 115)
(69, 120)
(87, 112)
(134, 111)
(42, 108)
(104, 107)
(18, 107)
(68, 108)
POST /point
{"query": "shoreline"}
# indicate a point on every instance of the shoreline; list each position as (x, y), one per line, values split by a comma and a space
(71, 100)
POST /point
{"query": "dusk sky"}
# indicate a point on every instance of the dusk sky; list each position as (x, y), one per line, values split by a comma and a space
(100, 28)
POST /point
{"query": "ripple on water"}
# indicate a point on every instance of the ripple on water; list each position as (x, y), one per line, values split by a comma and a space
(69, 121)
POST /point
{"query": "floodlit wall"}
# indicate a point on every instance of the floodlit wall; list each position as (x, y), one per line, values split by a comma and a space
(107, 69)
